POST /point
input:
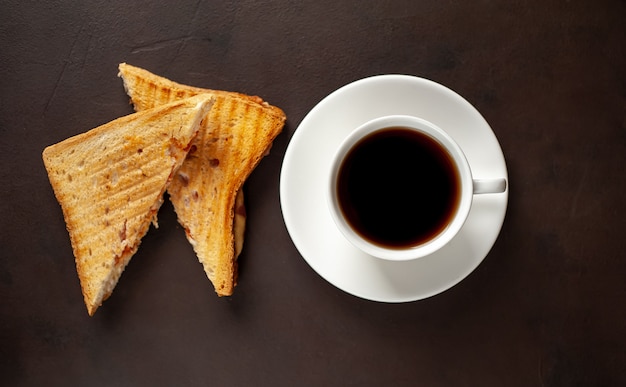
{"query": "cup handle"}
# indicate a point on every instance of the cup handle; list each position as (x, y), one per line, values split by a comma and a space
(486, 186)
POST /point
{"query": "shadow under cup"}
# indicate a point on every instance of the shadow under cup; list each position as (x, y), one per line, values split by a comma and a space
(400, 188)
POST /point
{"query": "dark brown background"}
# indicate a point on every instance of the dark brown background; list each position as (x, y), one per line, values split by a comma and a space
(547, 307)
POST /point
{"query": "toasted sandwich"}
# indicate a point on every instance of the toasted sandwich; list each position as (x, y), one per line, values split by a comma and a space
(110, 182)
(207, 190)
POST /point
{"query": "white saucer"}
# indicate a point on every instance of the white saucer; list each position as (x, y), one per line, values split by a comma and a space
(304, 175)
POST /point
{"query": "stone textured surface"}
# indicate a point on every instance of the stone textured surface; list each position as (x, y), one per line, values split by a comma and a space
(547, 307)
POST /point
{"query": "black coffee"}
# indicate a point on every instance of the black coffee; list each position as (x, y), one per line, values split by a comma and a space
(398, 187)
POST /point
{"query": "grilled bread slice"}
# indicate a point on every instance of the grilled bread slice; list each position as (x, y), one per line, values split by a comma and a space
(207, 190)
(110, 182)
(148, 90)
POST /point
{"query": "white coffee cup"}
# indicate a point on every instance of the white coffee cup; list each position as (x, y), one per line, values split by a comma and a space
(458, 208)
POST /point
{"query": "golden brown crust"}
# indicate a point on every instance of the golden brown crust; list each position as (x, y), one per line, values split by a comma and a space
(234, 137)
(148, 90)
(110, 181)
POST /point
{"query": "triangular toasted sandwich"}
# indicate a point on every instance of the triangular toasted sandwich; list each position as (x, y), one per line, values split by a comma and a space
(206, 192)
(110, 182)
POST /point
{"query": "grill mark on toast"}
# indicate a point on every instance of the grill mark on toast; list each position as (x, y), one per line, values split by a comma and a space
(147, 170)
